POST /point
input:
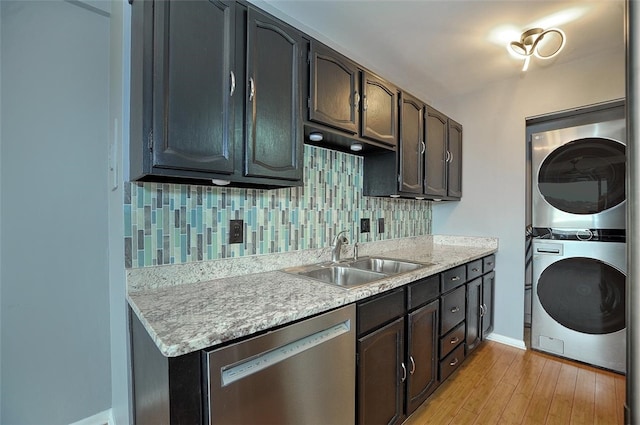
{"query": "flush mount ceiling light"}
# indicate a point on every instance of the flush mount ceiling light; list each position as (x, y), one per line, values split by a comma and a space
(543, 44)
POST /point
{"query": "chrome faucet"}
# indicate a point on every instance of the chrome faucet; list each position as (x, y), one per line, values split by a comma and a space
(339, 240)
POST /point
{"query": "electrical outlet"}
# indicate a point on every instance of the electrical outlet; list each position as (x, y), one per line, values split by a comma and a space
(236, 231)
(365, 226)
(381, 225)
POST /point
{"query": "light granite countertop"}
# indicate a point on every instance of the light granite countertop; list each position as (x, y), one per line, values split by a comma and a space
(186, 308)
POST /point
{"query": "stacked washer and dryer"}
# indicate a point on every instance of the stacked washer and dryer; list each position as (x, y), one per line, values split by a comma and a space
(579, 251)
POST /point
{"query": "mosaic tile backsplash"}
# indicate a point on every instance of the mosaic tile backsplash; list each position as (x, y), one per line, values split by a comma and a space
(173, 223)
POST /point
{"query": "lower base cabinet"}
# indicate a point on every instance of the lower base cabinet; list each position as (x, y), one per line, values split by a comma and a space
(379, 381)
(412, 339)
(422, 343)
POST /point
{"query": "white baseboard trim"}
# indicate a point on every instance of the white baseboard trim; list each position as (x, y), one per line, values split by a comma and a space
(507, 341)
(102, 418)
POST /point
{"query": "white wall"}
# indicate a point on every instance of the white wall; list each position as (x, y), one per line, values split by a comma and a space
(54, 268)
(118, 138)
(494, 162)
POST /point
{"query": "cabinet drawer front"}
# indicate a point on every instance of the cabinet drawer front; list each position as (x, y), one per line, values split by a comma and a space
(423, 291)
(474, 269)
(380, 310)
(489, 262)
(451, 340)
(453, 278)
(453, 309)
(451, 362)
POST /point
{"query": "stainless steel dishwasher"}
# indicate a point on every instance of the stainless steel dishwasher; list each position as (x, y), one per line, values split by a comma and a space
(299, 374)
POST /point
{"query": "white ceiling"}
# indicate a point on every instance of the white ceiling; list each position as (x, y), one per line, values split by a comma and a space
(438, 48)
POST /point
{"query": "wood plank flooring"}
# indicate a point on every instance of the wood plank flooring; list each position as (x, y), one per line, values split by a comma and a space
(503, 385)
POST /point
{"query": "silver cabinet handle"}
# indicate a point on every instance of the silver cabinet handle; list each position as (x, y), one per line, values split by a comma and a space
(454, 362)
(455, 309)
(453, 279)
(475, 269)
(454, 340)
(449, 157)
(364, 102)
(424, 148)
(252, 89)
(233, 83)
(356, 99)
(413, 365)
(404, 373)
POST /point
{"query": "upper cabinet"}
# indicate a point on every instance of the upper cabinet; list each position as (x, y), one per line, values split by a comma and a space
(347, 104)
(454, 161)
(412, 147)
(334, 92)
(273, 135)
(443, 163)
(193, 87)
(428, 162)
(215, 94)
(379, 109)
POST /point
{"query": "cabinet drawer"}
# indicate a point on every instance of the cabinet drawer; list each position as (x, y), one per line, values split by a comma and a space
(451, 362)
(380, 310)
(474, 269)
(488, 263)
(452, 309)
(453, 278)
(422, 291)
(451, 340)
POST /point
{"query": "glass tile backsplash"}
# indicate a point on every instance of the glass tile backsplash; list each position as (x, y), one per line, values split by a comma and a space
(174, 223)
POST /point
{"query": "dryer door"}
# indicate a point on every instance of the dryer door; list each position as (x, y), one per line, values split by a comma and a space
(579, 177)
(584, 294)
(585, 176)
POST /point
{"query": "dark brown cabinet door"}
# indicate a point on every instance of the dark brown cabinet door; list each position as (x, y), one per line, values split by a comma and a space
(473, 317)
(379, 110)
(422, 343)
(334, 98)
(454, 162)
(380, 375)
(488, 283)
(273, 145)
(435, 169)
(193, 78)
(411, 144)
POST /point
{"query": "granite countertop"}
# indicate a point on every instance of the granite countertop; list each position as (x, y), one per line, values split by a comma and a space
(183, 317)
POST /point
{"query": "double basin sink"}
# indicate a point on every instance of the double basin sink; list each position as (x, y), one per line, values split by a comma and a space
(355, 272)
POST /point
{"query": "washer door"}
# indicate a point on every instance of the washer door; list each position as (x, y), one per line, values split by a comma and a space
(584, 176)
(584, 294)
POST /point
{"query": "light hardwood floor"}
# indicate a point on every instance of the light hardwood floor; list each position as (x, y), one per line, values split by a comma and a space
(498, 384)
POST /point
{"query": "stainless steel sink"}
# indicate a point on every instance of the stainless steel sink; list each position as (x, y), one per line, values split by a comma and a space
(385, 265)
(343, 276)
(353, 273)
